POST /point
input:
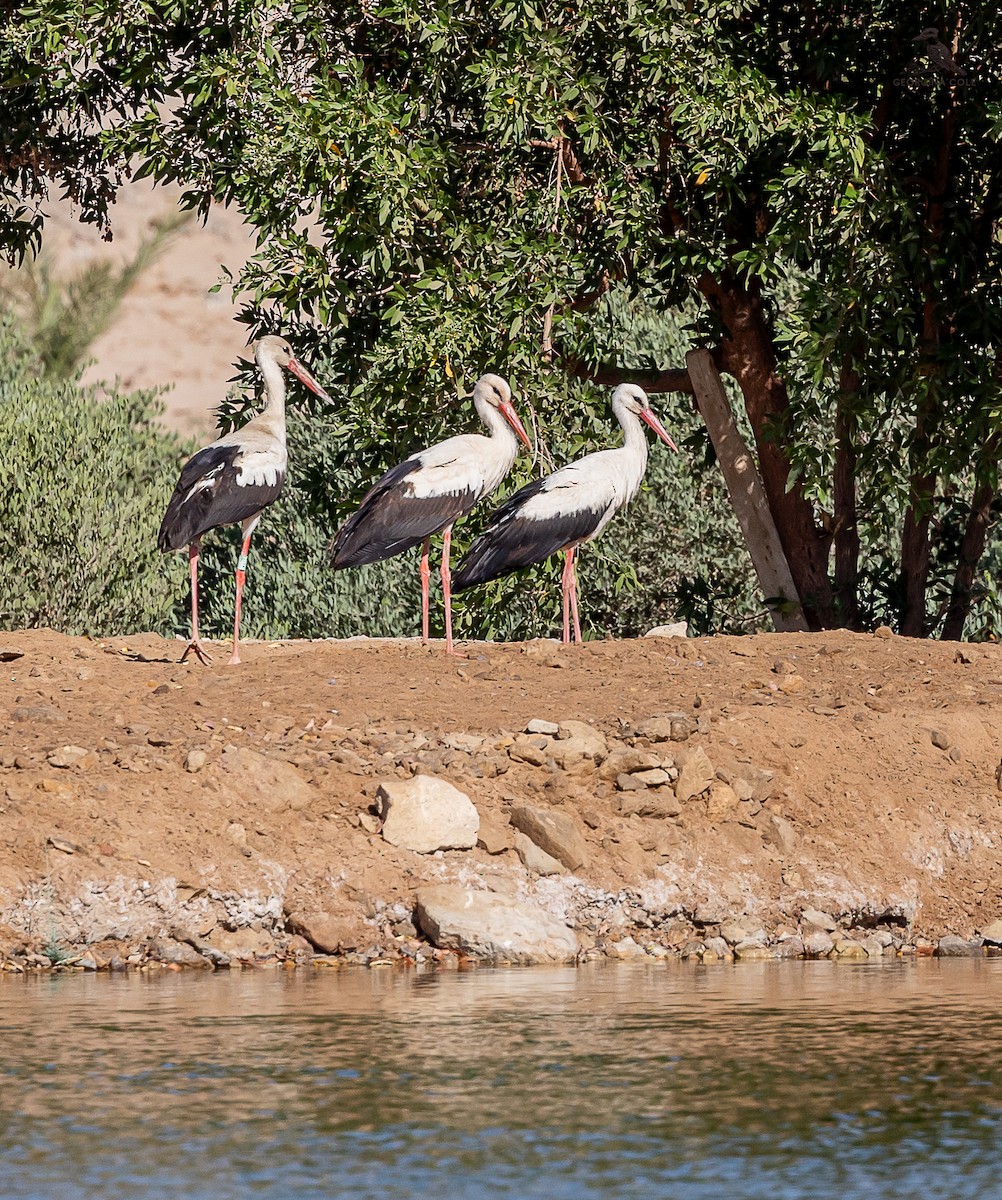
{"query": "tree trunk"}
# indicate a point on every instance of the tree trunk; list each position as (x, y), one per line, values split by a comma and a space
(915, 556)
(749, 356)
(846, 527)
(972, 546)
(747, 495)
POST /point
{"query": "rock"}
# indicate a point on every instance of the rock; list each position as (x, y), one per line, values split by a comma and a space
(659, 804)
(846, 948)
(494, 837)
(818, 944)
(588, 742)
(246, 944)
(993, 933)
(630, 783)
(554, 832)
(952, 946)
(493, 926)
(939, 739)
(369, 822)
(708, 914)
(778, 831)
(276, 783)
(528, 750)
(38, 714)
(873, 946)
(656, 729)
(167, 950)
(695, 774)
(625, 949)
(749, 950)
(716, 946)
(789, 947)
(677, 629)
(625, 760)
(721, 799)
(535, 859)
(877, 704)
(549, 728)
(733, 932)
(654, 777)
(883, 631)
(72, 756)
(820, 920)
(195, 760)
(327, 932)
(427, 814)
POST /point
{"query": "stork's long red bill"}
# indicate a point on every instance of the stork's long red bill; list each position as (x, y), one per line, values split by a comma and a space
(304, 376)
(647, 415)
(513, 419)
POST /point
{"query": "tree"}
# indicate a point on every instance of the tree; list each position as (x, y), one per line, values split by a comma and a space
(443, 188)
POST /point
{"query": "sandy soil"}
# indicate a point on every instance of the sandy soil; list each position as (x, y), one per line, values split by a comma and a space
(866, 766)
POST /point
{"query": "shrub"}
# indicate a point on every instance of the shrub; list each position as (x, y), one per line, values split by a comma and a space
(85, 477)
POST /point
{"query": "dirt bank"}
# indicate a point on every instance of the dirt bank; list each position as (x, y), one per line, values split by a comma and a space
(198, 815)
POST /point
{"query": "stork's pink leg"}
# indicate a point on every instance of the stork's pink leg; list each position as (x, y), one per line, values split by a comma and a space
(425, 576)
(565, 583)
(447, 588)
(574, 596)
(241, 580)
(195, 644)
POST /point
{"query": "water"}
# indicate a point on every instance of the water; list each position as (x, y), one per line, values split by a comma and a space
(765, 1080)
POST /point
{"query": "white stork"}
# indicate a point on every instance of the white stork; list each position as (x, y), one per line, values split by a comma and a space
(430, 491)
(235, 479)
(567, 508)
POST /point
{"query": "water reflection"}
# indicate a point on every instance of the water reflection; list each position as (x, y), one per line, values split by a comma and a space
(765, 1080)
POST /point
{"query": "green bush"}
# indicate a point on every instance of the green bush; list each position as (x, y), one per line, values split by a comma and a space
(84, 482)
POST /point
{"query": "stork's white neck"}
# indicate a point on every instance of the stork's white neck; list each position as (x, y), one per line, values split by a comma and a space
(496, 424)
(274, 389)
(634, 437)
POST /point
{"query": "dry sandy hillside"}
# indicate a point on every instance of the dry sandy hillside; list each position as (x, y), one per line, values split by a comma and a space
(148, 807)
(169, 330)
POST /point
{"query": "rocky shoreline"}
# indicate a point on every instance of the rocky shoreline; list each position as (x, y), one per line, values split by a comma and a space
(755, 799)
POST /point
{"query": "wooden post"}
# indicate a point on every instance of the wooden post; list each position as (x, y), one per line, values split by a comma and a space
(747, 495)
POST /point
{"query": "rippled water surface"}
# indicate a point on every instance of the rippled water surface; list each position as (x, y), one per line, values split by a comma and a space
(761, 1080)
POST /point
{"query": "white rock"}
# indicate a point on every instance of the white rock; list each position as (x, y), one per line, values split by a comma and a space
(537, 725)
(490, 925)
(426, 814)
(536, 859)
(578, 741)
(678, 629)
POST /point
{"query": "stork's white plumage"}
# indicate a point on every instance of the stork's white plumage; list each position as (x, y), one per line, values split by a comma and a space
(567, 508)
(430, 491)
(235, 479)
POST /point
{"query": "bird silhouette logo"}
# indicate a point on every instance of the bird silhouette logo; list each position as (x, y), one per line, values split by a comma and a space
(940, 57)
(933, 63)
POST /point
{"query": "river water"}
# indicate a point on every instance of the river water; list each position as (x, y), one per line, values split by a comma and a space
(764, 1080)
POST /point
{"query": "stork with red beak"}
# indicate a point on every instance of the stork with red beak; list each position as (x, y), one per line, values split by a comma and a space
(430, 491)
(235, 479)
(567, 508)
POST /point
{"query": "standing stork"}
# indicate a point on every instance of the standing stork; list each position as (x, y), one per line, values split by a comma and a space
(567, 508)
(235, 479)
(430, 491)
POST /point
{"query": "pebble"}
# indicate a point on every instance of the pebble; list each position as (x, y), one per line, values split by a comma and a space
(537, 725)
(195, 760)
(939, 740)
